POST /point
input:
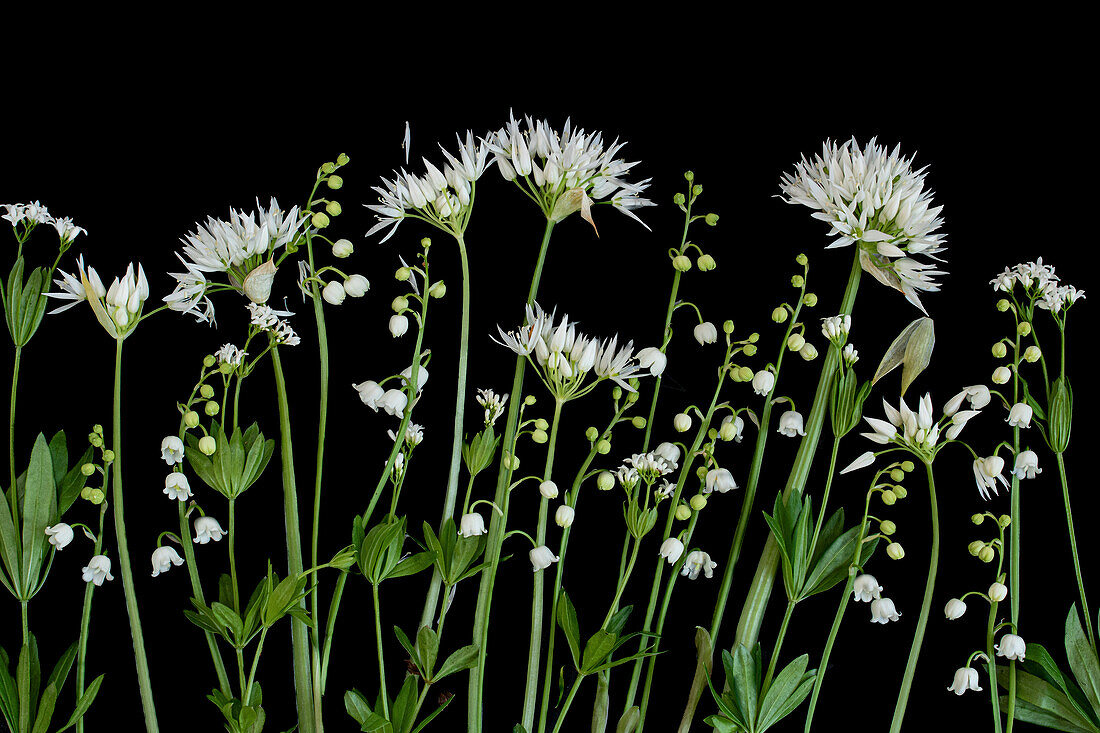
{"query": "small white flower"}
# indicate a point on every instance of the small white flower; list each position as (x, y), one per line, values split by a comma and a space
(164, 558)
(998, 592)
(706, 333)
(681, 423)
(97, 570)
(1001, 375)
(399, 324)
(732, 428)
(342, 248)
(977, 395)
(356, 286)
(206, 529)
(720, 480)
(987, 472)
(836, 328)
(471, 525)
(790, 424)
(334, 294)
(864, 460)
(698, 561)
(850, 355)
(1020, 415)
(548, 489)
(865, 588)
(883, 611)
(669, 451)
(671, 550)
(1012, 647)
(762, 382)
(171, 450)
(564, 515)
(966, 678)
(60, 535)
(369, 392)
(177, 487)
(393, 402)
(954, 609)
(959, 421)
(653, 359)
(1027, 464)
(493, 404)
(421, 376)
(230, 354)
(541, 558)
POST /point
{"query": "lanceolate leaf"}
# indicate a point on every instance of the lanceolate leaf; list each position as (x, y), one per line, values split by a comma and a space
(39, 510)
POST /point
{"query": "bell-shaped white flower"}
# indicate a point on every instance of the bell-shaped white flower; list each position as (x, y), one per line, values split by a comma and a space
(883, 611)
(472, 525)
(356, 286)
(698, 562)
(60, 535)
(398, 325)
(762, 382)
(421, 376)
(669, 451)
(1020, 415)
(681, 423)
(865, 588)
(1027, 464)
(865, 459)
(164, 558)
(97, 570)
(653, 359)
(720, 480)
(966, 678)
(548, 489)
(977, 395)
(732, 428)
(177, 487)
(334, 293)
(394, 402)
(706, 333)
(564, 516)
(206, 529)
(1001, 375)
(541, 558)
(369, 392)
(954, 609)
(987, 472)
(998, 592)
(790, 424)
(1012, 647)
(171, 450)
(671, 550)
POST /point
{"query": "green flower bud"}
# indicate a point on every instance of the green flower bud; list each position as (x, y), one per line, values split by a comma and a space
(399, 303)
(705, 263)
(975, 547)
(335, 182)
(438, 289)
(897, 475)
(908, 466)
(711, 219)
(1023, 328)
(977, 518)
(208, 361)
(749, 349)
(679, 199)
(895, 551)
(208, 445)
(986, 554)
(591, 434)
(689, 176)
(887, 527)
(1004, 520)
(539, 436)
(86, 493)
(796, 341)
(698, 502)
(888, 497)
(779, 315)
(1001, 375)
(746, 374)
(605, 481)
(638, 422)
(403, 273)
(999, 350)
(701, 472)
(617, 393)
(511, 462)
(683, 512)
(97, 428)
(900, 492)
(320, 220)
(211, 408)
(334, 208)
(802, 259)
(1032, 354)
(808, 352)
(95, 440)
(96, 496)
(681, 263)
(541, 424)
(108, 455)
(87, 469)
(1003, 305)
(529, 400)
(328, 168)
(225, 367)
(603, 447)
(696, 189)
(191, 419)
(426, 242)
(206, 391)
(798, 281)
(728, 431)
(342, 159)
(810, 300)
(753, 338)
(727, 327)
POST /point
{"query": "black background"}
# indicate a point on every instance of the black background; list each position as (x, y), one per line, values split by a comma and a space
(137, 151)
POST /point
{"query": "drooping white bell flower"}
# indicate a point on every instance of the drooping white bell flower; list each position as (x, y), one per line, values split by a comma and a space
(394, 402)
(60, 535)
(653, 359)
(171, 450)
(865, 588)
(1027, 464)
(334, 293)
(421, 376)
(164, 558)
(790, 424)
(369, 392)
(472, 525)
(541, 558)
(564, 516)
(883, 611)
(1012, 647)
(398, 325)
(1020, 415)
(966, 678)
(356, 286)
(548, 489)
(671, 550)
(706, 333)
(177, 487)
(669, 451)
(954, 609)
(987, 472)
(762, 382)
(998, 592)
(720, 480)
(698, 562)
(732, 428)
(207, 529)
(97, 570)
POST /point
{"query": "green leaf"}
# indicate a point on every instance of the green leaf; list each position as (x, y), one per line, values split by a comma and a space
(229, 619)
(464, 658)
(1043, 695)
(83, 703)
(403, 713)
(9, 697)
(414, 656)
(11, 550)
(1082, 658)
(357, 708)
(704, 663)
(787, 691)
(1029, 713)
(743, 675)
(913, 349)
(70, 485)
(629, 721)
(832, 567)
(39, 510)
(427, 644)
(412, 565)
(596, 649)
(567, 620)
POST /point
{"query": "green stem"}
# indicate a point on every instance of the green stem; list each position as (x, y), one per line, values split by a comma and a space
(613, 609)
(763, 582)
(1013, 562)
(1073, 549)
(236, 590)
(298, 632)
(24, 622)
(381, 660)
(534, 649)
(825, 496)
(14, 498)
(145, 686)
(255, 663)
(86, 621)
(991, 665)
(196, 589)
(330, 626)
(498, 523)
(778, 645)
(926, 607)
(432, 599)
(568, 702)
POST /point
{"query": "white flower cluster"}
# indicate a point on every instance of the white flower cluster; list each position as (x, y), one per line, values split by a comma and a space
(493, 404)
(650, 466)
(230, 354)
(35, 213)
(268, 319)
(875, 199)
(441, 198)
(564, 357)
(565, 172)
(117, 308)
(866, 589)
(393, 401)
(1039, 282)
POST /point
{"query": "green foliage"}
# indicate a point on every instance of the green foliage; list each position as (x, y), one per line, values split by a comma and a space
(1061, 415)
(380, 552)
(24, 303)
(478, 453)
(241, 718)
(599, 650)
(746, 707)
(27, 706)
(846, 400)
(270, 601)
(912, 350)
(454, 554)
(237, 463)
(425, 652)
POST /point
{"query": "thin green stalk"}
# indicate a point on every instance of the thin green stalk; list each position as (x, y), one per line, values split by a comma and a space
(763, 582)
(255, 663)
(825, 496)
(381, 659)
(778, 646)
(298, 631)
(991, 665)
(568, 702)
(498, 523)
(145, 687)
(664, 344)
(621, 586)
(926, 607)
(1073, 549)
(233, 582)
(432, 600)
(534, 649)
(196, 590)
(11, 436)
(86, 621)
(1014, 558)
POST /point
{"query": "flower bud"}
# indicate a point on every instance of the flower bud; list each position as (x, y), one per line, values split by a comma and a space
(679, 199)
(895, 551)
(1004, 520)
(1000, 351)
(808, 352)
(908, 466)
(603, 447)
(954, 609)
(206, 391)
(334, 208)
(335, 182)
(900, 492)
(342, 159)
(334, 293)
(798, 281)
(530, 400)
(548, 489)
(975, 547)
(705, 263)
(986, 554)
(605, 481)
(438, 289)
(681, 423)
(897, 475)
(888, 497)
(1003, 305)
(638, 422)
(96, 496)
(539, 436)
(1001, 375)
(541, 423)
(208, 361)
(998, 592)
(1023, 328)
(683, 512)
(591, 434)
(1032, 354)
(698, 502)
(796, 341)
(681, 263)
(328, 168)
(87, 469)
(399, 303)
(809, 300)
(977, 518)
(746, 374)
(564, 516)
(342, 248)
(779, 315)
(749, 349)
(208, 445)
(356, 286)
(211, 408)
(320, 220)
(887, 527)
(711, 219)
(727, 327)
(399, 324)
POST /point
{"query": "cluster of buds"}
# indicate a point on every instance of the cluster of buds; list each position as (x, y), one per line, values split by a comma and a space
(327, 175)
(97, 495)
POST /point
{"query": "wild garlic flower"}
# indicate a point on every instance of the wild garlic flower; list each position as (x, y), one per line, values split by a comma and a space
(60, 535)
(966, 678)
(414, 434)
(266, 318)
(230, 354)
(875, 199)
(850, 355)
(117, 308)
(987, 472)
(565, 172)
(243, 248)
(977, 395)
(67, 231)
(441, 198)
(97, 570)
(836, 328)
(207, 529)
(916, 432)
(164, 558)
(493, 404)
(650, 466)
(1039, 284)
(698, 562)
(30, 214)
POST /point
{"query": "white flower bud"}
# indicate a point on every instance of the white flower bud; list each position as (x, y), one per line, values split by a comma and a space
(564, 515)
(334, 293)
(548, 489)
(342, 248)
(998, 592)
(762, 382)
(399, 324)
(682, 423)
(356, 286)
(1001, 375)
(954, 609)
(671, 550)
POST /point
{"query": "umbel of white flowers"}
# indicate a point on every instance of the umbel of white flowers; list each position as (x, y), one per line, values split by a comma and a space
(1039, 282)
(875, 199)
(117, 308)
